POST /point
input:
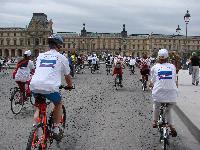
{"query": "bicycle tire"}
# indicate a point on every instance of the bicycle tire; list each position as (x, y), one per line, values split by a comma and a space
(33, 140)
(63, 119)
(15, 101)
(165, 143)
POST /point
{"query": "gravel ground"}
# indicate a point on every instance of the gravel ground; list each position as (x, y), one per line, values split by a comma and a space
(98, 116)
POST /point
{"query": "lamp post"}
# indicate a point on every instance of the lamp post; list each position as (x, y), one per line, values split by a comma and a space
(187, 19)
(178, 30)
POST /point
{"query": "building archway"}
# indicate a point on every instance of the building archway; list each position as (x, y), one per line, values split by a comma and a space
(19, 52)
(6, 53)
(12, 52)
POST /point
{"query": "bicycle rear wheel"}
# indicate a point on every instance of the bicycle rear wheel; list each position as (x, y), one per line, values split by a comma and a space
(16, 101)
(37, 138)
(165, 144)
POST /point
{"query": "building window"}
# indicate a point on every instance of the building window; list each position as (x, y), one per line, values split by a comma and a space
(2, 42)
(29, 42)
(37, 42)
(15, 42)
(44, 42)
(69, 45)
(8, 42)
(133, 46)
(21, 42)
(14, 34)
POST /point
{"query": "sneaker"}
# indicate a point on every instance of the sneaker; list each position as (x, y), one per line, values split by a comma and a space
(58, 133)
(197, 83)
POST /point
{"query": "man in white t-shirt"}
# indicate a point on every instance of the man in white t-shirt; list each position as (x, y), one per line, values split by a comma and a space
(95, 61)
(132, 62)
(163, 80)
(50, 67)
(22, 73)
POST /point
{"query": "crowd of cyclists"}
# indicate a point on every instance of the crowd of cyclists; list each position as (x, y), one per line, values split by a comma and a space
(50, 66)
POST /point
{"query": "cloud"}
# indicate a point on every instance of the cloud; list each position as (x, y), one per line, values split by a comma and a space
(141, 16)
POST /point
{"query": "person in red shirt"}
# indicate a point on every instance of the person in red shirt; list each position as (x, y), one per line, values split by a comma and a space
(118, 69)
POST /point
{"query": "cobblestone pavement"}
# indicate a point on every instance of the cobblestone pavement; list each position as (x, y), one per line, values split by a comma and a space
(98, 116)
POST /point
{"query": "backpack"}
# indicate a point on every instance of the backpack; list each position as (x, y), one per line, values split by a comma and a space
(118, 65)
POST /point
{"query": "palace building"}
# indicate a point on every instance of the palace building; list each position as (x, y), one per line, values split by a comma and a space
(14, 41)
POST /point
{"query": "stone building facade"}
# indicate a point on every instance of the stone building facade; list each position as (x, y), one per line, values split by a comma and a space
(136, 44)
(14, 41)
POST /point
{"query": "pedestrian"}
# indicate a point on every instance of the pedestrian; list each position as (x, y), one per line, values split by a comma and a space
(194, 60)
(175, 59)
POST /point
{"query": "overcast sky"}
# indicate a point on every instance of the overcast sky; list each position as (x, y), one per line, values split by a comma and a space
(140, 16)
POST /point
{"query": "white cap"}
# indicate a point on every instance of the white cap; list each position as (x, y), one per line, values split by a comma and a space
(28, 53)
(163, 53)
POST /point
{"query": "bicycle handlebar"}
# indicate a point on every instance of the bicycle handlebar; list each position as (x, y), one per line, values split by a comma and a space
(66, 87)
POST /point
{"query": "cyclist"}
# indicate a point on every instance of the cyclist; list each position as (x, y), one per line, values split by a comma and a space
(144, 65)
(50, 66)
(163, 80)
(108, 61)
(132, 63)
(118, 65)
(22, 73)
(95, 62)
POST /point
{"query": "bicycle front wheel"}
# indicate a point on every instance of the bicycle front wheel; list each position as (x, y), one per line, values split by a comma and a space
(37, 138)
(16, 101)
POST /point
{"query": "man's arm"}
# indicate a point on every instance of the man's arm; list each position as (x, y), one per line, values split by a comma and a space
(68, 80)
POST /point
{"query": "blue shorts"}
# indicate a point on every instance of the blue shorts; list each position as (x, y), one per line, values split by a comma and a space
(54, 97)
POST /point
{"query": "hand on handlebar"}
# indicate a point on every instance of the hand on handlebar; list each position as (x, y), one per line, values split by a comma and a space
(67, 87)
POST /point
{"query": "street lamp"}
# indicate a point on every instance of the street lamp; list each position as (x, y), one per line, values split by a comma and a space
(178, 30)
(187, 19)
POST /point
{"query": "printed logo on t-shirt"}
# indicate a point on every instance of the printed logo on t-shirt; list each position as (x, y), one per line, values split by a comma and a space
(47, 63)
(165, 75)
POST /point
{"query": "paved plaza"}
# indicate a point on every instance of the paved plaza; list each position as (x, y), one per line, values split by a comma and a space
(98, 117)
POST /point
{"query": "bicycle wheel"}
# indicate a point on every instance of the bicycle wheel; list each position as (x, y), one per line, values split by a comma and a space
(62, 120)
(165, 143)
(16, 101)
(144, 85)
(37, 138)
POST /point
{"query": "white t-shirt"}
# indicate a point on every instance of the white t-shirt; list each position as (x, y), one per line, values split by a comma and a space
(163, 77)
(23, 73)
(94, 60)
(50, 67)
(132, 61)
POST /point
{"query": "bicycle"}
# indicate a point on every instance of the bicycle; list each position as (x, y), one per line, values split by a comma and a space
(41, 136)
(132, 69)
(163, 126)
(108, 68)
(117, 82)
(17, 100)
(144, 82)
